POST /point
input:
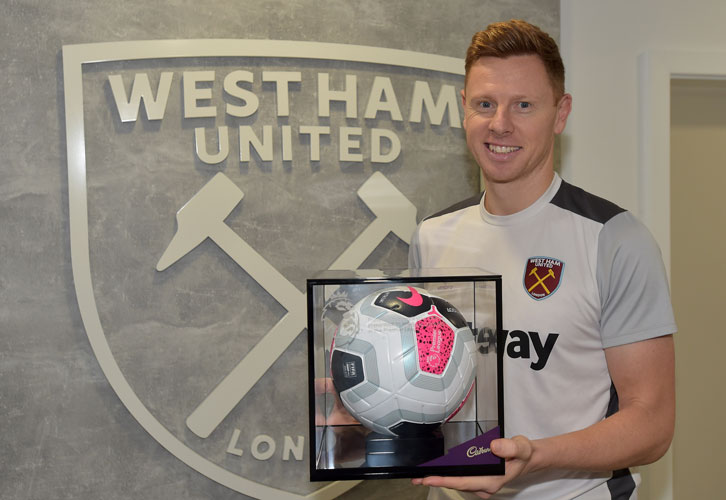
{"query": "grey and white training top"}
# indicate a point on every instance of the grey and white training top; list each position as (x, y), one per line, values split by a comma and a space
(579, 275)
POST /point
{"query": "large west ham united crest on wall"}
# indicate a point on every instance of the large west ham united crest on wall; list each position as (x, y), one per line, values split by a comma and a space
(207, 180)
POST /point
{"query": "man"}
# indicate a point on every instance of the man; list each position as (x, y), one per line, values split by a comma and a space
(588, 357)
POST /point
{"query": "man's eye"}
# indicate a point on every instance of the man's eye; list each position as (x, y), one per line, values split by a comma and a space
(485, 104)
(524, 105)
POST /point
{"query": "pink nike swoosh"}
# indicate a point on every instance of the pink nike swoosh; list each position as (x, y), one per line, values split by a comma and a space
(414, 300)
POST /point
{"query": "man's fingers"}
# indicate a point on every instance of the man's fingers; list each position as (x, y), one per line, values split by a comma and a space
(467, 483)
(320, 385)
(516, 451)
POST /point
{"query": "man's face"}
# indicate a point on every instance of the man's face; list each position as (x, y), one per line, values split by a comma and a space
(511, 118)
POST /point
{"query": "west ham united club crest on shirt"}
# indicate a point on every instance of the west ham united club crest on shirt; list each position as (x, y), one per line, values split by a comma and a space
(542, 276)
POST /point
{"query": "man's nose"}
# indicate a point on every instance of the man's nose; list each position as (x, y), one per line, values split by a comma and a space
(501, 123)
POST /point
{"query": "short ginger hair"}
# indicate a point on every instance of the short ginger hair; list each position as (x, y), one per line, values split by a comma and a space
(514, 38)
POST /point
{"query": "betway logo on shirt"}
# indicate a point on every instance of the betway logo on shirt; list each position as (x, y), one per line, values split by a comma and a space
(530, 345)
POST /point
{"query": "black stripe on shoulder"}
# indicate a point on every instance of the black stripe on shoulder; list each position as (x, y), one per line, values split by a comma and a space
(469, 202)
(587, 205)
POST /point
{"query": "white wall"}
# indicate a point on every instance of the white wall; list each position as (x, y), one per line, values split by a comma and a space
(600, 42)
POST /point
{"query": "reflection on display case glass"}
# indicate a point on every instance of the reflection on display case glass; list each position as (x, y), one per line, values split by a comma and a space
(405, 377)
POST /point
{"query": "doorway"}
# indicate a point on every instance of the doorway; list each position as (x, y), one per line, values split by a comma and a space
(698, 282)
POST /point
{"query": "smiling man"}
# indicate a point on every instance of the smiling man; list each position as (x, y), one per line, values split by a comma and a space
(511, 116)
(588, 355)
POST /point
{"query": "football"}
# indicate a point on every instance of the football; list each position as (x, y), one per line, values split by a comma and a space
(403, 361)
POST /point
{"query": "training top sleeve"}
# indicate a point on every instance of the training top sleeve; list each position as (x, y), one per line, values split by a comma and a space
(634, 293)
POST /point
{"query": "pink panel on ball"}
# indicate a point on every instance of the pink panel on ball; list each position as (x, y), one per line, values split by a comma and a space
(435, 340)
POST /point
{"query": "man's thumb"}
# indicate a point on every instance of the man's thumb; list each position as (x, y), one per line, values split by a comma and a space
(517, 447)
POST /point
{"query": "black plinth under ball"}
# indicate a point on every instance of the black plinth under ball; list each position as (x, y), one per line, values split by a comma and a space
(403, 451)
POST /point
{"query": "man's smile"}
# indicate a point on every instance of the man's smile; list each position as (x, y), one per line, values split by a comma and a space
(495, 148)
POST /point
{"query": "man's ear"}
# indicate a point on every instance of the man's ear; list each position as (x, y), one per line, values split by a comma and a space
(564, 106)
(463, 105)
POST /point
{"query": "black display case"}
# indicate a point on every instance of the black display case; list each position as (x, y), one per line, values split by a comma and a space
(432, 342)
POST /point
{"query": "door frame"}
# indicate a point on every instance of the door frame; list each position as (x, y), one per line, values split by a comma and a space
(656, 69)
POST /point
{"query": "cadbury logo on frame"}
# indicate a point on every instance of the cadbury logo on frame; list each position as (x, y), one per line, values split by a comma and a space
(542, 276)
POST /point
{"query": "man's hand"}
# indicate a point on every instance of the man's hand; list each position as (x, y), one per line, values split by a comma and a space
(516, 452)
(338, 415)
(637, 434)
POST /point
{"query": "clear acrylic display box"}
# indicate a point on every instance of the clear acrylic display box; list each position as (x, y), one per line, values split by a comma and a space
(340, 447)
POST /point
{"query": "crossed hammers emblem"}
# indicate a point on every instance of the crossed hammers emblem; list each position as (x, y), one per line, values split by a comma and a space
(540, 281)
(203, 217)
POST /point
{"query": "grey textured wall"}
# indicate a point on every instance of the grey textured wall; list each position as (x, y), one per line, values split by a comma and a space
(65, 433)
